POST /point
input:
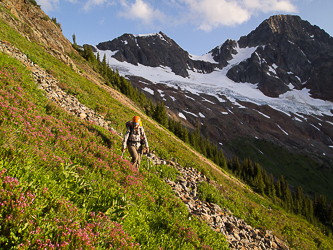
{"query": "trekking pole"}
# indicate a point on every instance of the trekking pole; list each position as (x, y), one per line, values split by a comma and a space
(122, 155)
(147, 164)
(146, 154)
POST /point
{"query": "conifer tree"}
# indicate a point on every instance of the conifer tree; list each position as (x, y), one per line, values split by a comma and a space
(320, 207)
(160, 114)
(186, 135)
(235, 165)
(299, 200)
(330, 213)
(104, 65)
(258, 179)
(75, 46)
(272, 191)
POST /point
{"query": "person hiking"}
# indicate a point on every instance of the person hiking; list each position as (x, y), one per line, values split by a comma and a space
(134, 138)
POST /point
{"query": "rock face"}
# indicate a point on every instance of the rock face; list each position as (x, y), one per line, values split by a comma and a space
(291, 53)
(239, 234)
(154, 50)
(33, 24)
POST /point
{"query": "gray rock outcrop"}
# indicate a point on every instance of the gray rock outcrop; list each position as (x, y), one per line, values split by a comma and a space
(154, 50)
(289, 51)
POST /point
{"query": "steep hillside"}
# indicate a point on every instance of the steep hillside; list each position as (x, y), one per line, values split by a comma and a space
(64, 185)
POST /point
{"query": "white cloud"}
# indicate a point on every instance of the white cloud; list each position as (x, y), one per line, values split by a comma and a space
(102, 21)
(48, 5)
(269, 5)
(141, 10)
(51, 5)
(205, 14)
(92, 3)
(211, 14)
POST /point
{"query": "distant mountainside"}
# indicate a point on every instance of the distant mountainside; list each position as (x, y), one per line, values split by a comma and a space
(155, 50)
(273, 86)
(290, 54)
(298, 52)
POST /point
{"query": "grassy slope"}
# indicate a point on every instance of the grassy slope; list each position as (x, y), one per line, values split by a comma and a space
(157, 218)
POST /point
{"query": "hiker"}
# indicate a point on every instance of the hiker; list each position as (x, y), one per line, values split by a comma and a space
(134, 138)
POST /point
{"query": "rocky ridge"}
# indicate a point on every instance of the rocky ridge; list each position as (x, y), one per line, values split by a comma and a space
(53, 92)
(155, 50)
(238, 233)
(33, 24)
(291, 54)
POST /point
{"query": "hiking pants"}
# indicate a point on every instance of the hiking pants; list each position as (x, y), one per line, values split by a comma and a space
(136, 153)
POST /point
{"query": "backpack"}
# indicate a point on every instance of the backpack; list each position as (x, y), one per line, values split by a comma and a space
(129, 124)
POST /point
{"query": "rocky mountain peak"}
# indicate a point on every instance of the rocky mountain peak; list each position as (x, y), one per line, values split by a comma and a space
(150, 50)
(290, 54)
(225, 52)
(287, 26)
(154, 50)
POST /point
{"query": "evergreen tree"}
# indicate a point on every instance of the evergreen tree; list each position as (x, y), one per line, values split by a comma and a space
(272, 191)
(258, 179)
(75, 46)
(330, 213)
(222, 160)
(320, 207)
(160, 115)
(299, 201)
(308, 209)
(186, 135)
(104, 65)
(235, 165)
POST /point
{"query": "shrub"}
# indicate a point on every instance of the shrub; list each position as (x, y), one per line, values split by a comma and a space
(34, 2)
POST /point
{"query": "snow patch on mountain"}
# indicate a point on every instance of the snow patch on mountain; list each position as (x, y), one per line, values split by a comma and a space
(150, 91)
(218, 85)
(282, 129)
(187, 112)
(161, 92)
(189, 97)
(181, 115)
(206, 58)
(263, 114)
(242, 55)
(297, 119)
(315, 127)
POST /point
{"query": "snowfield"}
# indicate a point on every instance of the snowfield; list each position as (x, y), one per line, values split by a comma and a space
(218, 85)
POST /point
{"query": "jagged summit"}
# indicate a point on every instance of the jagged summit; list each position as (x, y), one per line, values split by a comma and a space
(154, 50)
(288, 26)
(149, 50)
(290, 54)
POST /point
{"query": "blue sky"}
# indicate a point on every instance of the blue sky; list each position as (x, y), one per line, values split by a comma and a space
(196, 25)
